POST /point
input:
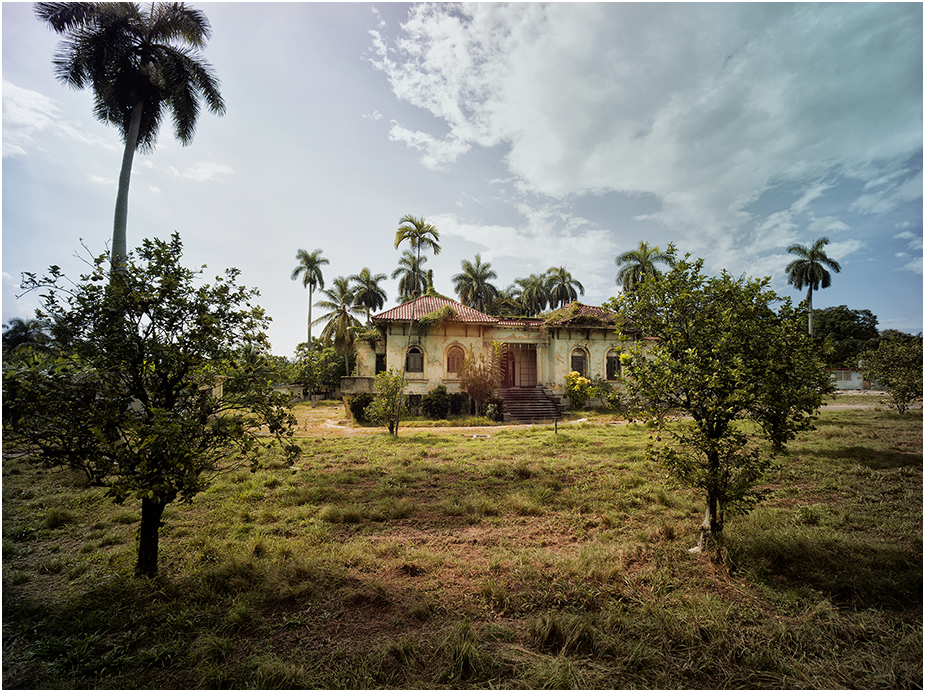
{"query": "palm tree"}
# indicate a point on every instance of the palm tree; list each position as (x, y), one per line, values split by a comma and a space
(638, 264)
(560, 287)
(533, 295)
(367, 292)
(309, 268)
(810, 270)
(506, 303)
(472, 284)
(339, 322)
(412, 282)
(25, 333)
(139, 64)
(420, 235)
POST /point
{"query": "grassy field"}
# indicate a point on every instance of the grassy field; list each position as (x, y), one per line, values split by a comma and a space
(521, 558)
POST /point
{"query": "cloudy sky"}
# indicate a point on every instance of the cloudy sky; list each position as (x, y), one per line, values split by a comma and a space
(535, 135)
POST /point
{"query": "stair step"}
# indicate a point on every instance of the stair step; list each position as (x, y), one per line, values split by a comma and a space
(530, 405)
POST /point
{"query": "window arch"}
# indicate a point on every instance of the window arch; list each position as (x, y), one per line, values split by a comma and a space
(454, 358)
(614, 369)
(414, 360)
(579, 362)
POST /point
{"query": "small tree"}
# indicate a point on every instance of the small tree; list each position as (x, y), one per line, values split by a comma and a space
(318, 367)
(722, 356)
(133, 395)
(577, 389)
(389, 400)
(480, 376)
(896, 365)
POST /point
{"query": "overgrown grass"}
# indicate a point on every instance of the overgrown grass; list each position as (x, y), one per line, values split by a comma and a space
(527, 560)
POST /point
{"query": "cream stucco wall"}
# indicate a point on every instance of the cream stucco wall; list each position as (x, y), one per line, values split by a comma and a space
(554, 349)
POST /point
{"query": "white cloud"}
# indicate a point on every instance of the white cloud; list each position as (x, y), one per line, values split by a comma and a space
(548, 236)
(706, 107)
(202, 171)
(27, 113)
(436, 152)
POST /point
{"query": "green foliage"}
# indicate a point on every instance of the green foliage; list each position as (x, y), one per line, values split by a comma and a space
(723, 356)
(577, 389)
(318, 367)
(896, 365)
(389, 402)
(359, 404)
(435, 404)
(133, 397)
(434, 319)
(846, 332)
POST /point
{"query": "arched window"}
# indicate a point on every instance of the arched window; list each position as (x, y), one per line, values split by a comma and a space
(454, 359)
(613, 365)
(414, 362)
(580, 362)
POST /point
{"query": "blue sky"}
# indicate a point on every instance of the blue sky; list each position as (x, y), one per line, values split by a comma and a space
(536, 135)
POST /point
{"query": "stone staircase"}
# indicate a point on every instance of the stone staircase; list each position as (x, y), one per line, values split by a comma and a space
(531, 405)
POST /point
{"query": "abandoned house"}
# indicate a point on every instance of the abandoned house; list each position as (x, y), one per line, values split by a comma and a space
(430, 336)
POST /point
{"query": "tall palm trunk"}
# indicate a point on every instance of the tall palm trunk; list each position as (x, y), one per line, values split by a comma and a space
(310, 316)
(809, 302)
(119, 250)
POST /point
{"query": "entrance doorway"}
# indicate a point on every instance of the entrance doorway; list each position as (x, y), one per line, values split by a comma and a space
(520, 365)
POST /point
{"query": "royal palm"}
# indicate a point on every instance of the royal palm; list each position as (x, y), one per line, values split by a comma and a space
(420, 235)
(367, 293)
(561, 287)
(140, 64)
(341, 318)
(309, 268)
(636, 265)
(473, 284)
(810, 270)
(412, 281)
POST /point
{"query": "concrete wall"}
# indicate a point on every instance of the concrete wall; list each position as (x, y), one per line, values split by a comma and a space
(849, 379)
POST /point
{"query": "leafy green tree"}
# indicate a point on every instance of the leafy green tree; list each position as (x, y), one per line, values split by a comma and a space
(809, 270)
(389, 402)
(318, 367)
(309, 268)
(636, 265)
(561, 287)
(146, 391)
(896, 365)
(139, 64)
(725, 370)
(367, 292)
(421, 236)
(506, 303)
(473, 284)
(412, 281)
(341, 321)
(847, 332)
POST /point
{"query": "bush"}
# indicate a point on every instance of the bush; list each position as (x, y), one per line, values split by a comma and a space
(436, 403)
(494, 408)
(358, 405)
(459, 403)
(577, 389)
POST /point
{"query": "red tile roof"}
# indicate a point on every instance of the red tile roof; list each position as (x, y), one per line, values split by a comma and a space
(572, 313)
(417, 308)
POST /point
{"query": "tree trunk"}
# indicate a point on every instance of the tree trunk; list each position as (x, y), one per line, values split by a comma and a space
(119, 250)
(309, 316)
(712, 524)
(151, 512)
(809, 300)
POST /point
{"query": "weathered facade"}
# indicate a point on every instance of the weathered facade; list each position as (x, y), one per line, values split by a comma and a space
(430, 336)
